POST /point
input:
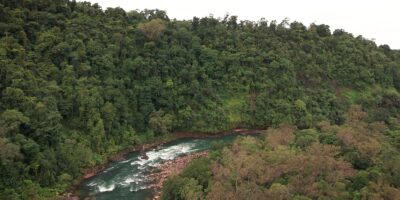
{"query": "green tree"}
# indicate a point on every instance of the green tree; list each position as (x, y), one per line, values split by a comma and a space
(159, 122)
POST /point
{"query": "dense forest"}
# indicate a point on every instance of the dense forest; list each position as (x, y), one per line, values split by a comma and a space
(79, 83)
(356, 160)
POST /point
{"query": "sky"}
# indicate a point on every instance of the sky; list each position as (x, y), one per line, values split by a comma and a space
(376, 20)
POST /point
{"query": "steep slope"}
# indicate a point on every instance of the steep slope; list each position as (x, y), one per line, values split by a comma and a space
(78, 83)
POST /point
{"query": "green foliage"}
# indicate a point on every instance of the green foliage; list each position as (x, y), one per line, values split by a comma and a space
(179, 188)
(190, 183)
(73, 156)
(360, 180)
(305, 138)
(353, 96)
(199, 170)
(358, 163)
(234, 108)
(79, 80)
(159, 122)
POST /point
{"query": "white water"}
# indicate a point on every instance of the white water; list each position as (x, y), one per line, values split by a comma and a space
(130, 179)
(103, 188)
(136, 178)
(169, 153)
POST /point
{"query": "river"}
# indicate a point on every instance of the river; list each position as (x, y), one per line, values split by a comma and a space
(129, 179)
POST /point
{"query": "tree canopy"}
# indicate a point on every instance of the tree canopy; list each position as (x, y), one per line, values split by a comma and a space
(280, 165)
(76, 79)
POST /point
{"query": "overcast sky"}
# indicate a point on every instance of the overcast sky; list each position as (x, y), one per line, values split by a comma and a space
(374, 19)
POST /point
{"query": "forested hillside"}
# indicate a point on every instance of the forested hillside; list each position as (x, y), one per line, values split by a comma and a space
(78, 83)
(357, 160)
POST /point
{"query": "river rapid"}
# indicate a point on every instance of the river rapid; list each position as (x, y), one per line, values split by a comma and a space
(129, 179)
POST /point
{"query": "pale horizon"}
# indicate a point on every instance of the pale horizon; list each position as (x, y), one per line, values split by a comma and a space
(373, 20)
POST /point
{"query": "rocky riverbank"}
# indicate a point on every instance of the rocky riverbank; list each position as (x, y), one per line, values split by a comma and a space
(169, 168)
(120, 156)
(93, 171)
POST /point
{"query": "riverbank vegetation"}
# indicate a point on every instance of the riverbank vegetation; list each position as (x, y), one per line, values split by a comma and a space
(79, 83)
(355, 160)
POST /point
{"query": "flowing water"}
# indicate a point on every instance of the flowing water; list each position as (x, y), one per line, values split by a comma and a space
(129, 179)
